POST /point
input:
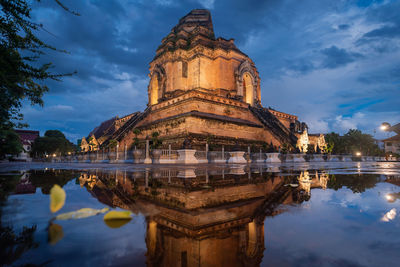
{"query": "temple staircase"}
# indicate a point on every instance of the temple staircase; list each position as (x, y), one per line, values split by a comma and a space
(124, 129)
(272, 123)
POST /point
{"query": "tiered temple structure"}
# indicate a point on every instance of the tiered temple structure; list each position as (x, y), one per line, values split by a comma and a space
(206, 89)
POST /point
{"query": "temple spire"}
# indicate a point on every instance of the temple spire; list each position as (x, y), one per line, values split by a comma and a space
(194, 19)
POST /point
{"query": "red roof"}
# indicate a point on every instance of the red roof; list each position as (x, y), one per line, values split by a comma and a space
(27, 136)
(395, 138)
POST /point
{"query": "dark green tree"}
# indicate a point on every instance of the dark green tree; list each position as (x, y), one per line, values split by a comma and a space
(53, 142)
(155, 141)
(353, 141)
(10, 143)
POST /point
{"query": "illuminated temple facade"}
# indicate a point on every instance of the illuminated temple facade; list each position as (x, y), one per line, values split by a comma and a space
(203, 88)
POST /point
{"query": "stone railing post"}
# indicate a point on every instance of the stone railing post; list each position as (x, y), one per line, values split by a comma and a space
(117, 150)
(125, 152)
(169, 151)
(147, 178)
(223, 152)
(147, 160)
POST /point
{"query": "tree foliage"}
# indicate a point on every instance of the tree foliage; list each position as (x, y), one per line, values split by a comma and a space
(353, 141)
(22, 77)
(354, 182)
(10, 143)
(112, 143)
(53, 142)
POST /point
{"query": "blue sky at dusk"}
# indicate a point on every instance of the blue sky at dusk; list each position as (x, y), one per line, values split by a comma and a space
(335, 64)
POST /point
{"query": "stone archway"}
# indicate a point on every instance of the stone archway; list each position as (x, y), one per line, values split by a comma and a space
(247, 83)
(156, 88)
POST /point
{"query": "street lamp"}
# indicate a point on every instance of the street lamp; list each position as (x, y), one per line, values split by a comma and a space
(358, 154)
(385, 126)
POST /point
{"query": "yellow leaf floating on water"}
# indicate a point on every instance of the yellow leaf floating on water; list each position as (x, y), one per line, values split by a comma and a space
(80, 214)
(57, 198)
(116, 223)
(116, 219)
(55, 233)
(118, 215)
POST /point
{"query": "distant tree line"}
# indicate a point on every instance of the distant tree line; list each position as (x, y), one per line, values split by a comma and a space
(352, 142)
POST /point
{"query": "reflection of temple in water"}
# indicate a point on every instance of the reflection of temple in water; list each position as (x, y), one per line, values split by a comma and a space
(214, 218)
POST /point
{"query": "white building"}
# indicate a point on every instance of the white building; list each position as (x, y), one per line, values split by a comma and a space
(27, 138)
(392, 144)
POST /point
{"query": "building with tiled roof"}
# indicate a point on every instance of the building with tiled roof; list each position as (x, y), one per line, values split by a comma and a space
(27, 138)
(392, 144)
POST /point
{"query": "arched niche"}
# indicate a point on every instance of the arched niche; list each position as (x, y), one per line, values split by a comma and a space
(156, 89)
(251, 239)
(246, 82)
(248, 88)
(152, 237)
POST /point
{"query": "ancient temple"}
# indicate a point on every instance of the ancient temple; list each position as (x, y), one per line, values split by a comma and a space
(206, 89)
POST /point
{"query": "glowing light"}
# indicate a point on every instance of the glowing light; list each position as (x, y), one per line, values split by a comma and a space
(389, 216)
(385, 126)
(389, 198)
(54, 155)
(358, 154)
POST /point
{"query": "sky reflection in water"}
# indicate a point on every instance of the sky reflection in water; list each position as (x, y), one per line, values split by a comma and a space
(220, 216)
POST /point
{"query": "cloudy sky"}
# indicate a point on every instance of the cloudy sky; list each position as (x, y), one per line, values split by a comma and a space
(335, 64)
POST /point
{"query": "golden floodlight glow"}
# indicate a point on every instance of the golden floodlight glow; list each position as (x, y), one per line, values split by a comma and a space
(385, 126)
(358, 154)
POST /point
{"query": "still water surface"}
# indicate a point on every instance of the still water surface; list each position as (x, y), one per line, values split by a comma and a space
(219, 216)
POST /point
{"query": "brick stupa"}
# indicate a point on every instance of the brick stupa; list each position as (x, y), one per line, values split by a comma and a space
(206, 89)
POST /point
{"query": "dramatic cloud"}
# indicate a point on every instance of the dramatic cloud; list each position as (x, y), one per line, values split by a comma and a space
(326, 61)
(336, 57)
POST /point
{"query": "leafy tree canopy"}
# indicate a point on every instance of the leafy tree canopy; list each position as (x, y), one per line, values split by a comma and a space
(54, 133)
(10, 143)
(353, 141)
(53, 142)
